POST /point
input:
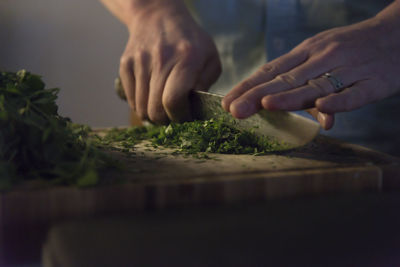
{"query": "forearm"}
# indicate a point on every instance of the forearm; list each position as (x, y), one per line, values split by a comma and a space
(126, 10)
(389, 20)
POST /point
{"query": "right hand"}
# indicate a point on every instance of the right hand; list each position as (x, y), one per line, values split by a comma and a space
(167, 55)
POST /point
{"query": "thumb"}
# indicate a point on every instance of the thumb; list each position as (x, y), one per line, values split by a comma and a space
(326, 120)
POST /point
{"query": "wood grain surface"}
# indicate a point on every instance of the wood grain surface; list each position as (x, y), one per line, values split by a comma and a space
(154, 179)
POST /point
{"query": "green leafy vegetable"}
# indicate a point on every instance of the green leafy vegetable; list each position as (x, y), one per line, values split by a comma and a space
(36, 142)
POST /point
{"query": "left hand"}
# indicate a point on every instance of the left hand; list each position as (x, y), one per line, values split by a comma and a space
(365, 57)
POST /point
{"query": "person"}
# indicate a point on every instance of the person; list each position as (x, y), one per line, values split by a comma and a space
(337, 70)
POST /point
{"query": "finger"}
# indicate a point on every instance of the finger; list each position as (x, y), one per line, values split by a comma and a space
(354, 97)
(209, 74)
(142, 75)
(304, 97)
(266, 73)
(325, 120)
(128, 80)
(175, 97)
(250, 102)
(155, 108)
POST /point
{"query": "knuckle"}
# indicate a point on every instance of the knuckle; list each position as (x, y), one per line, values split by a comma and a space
(334, 49)
(170, 101)
(308, 42)
(318, 43)
(288, 79)
(268, 69)
(313, 39)
(185, 48)
(247, 84)
(319, 86)
(311, 43)
(125, 62)
(188, 55)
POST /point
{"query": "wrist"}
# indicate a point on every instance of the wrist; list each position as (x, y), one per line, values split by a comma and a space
(139, 9)
(388, 19)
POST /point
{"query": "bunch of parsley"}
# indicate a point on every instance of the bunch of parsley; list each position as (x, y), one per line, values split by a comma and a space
(35, 141)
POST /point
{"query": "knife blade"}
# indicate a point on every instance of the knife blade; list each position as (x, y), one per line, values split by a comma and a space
(287, 127)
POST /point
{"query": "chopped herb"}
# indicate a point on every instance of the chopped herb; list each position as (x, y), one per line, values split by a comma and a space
(198, 138)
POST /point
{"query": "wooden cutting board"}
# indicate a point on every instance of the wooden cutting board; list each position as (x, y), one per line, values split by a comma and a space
(155, 180)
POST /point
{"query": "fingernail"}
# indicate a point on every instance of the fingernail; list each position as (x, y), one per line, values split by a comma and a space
(321, 118)
(224, 104)
(269, 104)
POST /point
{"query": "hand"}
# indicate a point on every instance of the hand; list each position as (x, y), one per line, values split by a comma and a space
(167, 55)
(364, 57)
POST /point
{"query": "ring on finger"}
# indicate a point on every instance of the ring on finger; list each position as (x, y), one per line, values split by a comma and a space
(334, 80)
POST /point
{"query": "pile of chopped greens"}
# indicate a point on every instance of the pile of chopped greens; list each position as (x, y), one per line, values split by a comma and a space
(192, 138)
(36, 142)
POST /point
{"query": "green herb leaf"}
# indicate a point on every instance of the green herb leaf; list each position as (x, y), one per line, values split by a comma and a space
(36, 142)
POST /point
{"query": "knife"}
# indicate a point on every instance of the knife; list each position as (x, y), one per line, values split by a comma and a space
(287, 127)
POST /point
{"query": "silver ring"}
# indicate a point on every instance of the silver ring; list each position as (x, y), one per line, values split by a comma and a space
(337, 84)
